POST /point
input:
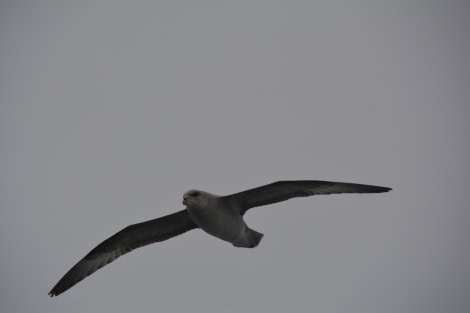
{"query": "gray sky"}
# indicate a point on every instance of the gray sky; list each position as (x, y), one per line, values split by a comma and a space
(110, 111)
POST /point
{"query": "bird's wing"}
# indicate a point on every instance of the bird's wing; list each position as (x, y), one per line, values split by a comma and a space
(284, 190)
(126, 240)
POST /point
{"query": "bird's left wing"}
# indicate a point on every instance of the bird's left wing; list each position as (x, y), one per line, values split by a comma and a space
(126, 240)
(284, 190)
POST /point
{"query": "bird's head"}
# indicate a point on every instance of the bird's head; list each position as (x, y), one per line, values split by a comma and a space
(196, 198)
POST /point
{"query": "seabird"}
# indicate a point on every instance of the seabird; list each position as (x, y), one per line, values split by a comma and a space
(219, 216)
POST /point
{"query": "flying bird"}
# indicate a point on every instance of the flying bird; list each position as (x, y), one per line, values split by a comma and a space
(219, 216)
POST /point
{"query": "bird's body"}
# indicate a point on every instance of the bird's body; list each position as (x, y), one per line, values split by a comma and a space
(215, 216)
(219, 216)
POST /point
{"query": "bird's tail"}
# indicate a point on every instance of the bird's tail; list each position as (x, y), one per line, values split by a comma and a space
(254, 238)
(251, 239)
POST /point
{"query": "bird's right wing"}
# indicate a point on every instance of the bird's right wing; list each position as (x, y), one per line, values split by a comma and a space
(284, 190)
(126, 240)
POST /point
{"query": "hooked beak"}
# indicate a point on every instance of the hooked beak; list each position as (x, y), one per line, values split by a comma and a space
(184, 201)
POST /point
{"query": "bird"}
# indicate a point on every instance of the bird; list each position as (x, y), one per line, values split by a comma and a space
(219, 216)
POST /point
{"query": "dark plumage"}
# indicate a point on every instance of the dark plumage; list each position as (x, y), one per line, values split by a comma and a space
(220, 216)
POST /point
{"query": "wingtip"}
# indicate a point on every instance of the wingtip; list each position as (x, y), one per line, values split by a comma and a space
(373, 188)
(57, 290)
(53, 294)
(384, 189)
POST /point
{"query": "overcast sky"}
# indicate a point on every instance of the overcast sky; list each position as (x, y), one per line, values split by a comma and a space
(111, 110)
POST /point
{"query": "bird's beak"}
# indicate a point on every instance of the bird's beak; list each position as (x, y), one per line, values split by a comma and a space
(184, 201)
